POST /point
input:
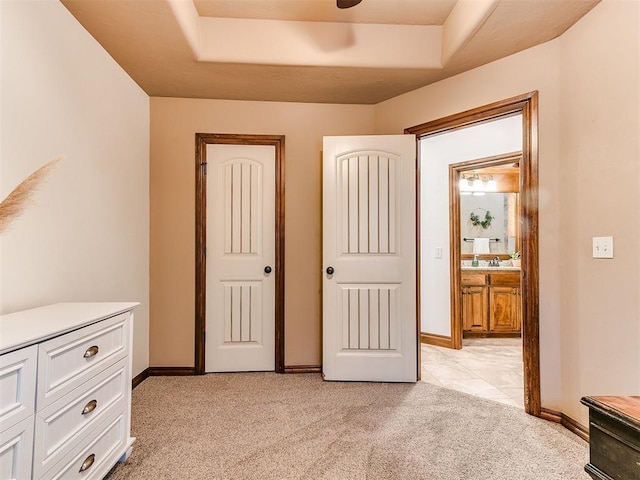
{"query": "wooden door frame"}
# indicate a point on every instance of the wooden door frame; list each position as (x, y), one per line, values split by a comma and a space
(527, 105)
(202, 140)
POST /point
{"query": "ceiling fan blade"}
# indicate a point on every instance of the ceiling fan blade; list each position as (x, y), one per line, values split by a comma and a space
(348, 3)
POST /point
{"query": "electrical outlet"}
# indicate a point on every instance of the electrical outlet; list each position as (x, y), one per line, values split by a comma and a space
(602, 247)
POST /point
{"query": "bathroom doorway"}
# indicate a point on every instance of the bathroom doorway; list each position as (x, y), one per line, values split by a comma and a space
(485, 241)
(438, 266)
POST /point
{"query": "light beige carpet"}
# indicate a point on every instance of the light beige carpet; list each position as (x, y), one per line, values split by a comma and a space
(269, 426)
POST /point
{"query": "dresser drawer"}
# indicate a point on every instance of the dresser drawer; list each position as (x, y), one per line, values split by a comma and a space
(17, 386)
(94, 457)
(77, 412)
(67, 361)
(15, 450)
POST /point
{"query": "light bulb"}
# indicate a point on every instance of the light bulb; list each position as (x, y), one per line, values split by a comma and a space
(492, 186)
(464, 185)
(477, 185)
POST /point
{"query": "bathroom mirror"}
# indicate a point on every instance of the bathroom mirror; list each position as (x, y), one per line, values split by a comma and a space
(492, 216)
(489, 207)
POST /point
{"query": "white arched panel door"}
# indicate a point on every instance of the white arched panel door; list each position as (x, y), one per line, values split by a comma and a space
(240, 297)
(369, 289)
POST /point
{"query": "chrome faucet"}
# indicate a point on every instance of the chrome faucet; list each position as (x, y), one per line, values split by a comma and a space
(495, 262)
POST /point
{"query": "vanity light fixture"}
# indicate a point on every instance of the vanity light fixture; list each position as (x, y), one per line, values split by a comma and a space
(476, 185)
(465, 188)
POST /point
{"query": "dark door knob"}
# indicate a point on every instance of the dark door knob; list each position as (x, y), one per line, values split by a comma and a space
(267, 269)
(330, 270)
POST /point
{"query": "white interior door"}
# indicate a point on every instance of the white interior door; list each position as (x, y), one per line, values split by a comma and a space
(369, 290)
(240, 297)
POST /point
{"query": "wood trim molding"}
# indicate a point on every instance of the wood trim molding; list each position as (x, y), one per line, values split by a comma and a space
(575, 427)
(138, 379)
(171, 371)
(202, 140)
(566, 421)
(527, 105)
(303, 369)
(437, 340)
(474, 116)
(161, 372)
(529, 254)
(551, 415)
(455, 259)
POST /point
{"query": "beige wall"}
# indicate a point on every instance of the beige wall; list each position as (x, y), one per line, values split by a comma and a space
(86, 235)
(600, 196)
(174, 123)
(588, 81)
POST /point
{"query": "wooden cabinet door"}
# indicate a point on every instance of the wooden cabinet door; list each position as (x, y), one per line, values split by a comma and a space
(474, 309)
(504, 312)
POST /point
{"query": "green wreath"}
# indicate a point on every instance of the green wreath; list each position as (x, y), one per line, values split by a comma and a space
(476, 222)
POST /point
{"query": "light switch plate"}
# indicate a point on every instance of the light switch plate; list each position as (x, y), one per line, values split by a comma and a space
(438, 252)
(602, 247)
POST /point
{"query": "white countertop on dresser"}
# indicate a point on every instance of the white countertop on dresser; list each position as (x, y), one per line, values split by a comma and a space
(24, 328)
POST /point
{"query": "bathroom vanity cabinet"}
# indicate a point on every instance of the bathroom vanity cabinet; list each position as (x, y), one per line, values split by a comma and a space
(491, 303)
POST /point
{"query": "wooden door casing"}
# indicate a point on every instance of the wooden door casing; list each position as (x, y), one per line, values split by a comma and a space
(527, 105)
(202, 140)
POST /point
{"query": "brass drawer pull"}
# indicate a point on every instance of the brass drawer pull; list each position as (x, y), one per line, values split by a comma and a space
(90, 407)
(91, 351)
(86, 465)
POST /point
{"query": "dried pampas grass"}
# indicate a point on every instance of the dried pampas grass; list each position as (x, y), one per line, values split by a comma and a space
(16, 202)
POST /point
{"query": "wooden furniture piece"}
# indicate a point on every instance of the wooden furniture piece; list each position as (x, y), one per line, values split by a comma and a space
(491, 303)
(614, 437)
(65, 383)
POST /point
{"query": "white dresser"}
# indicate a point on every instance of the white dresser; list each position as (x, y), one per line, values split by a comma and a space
(65, 390)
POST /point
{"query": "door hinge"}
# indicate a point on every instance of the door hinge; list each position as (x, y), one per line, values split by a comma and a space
(205, 252)
(204, 337)
(204, 165)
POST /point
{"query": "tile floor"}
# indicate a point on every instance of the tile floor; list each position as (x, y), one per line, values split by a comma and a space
(486, 367)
